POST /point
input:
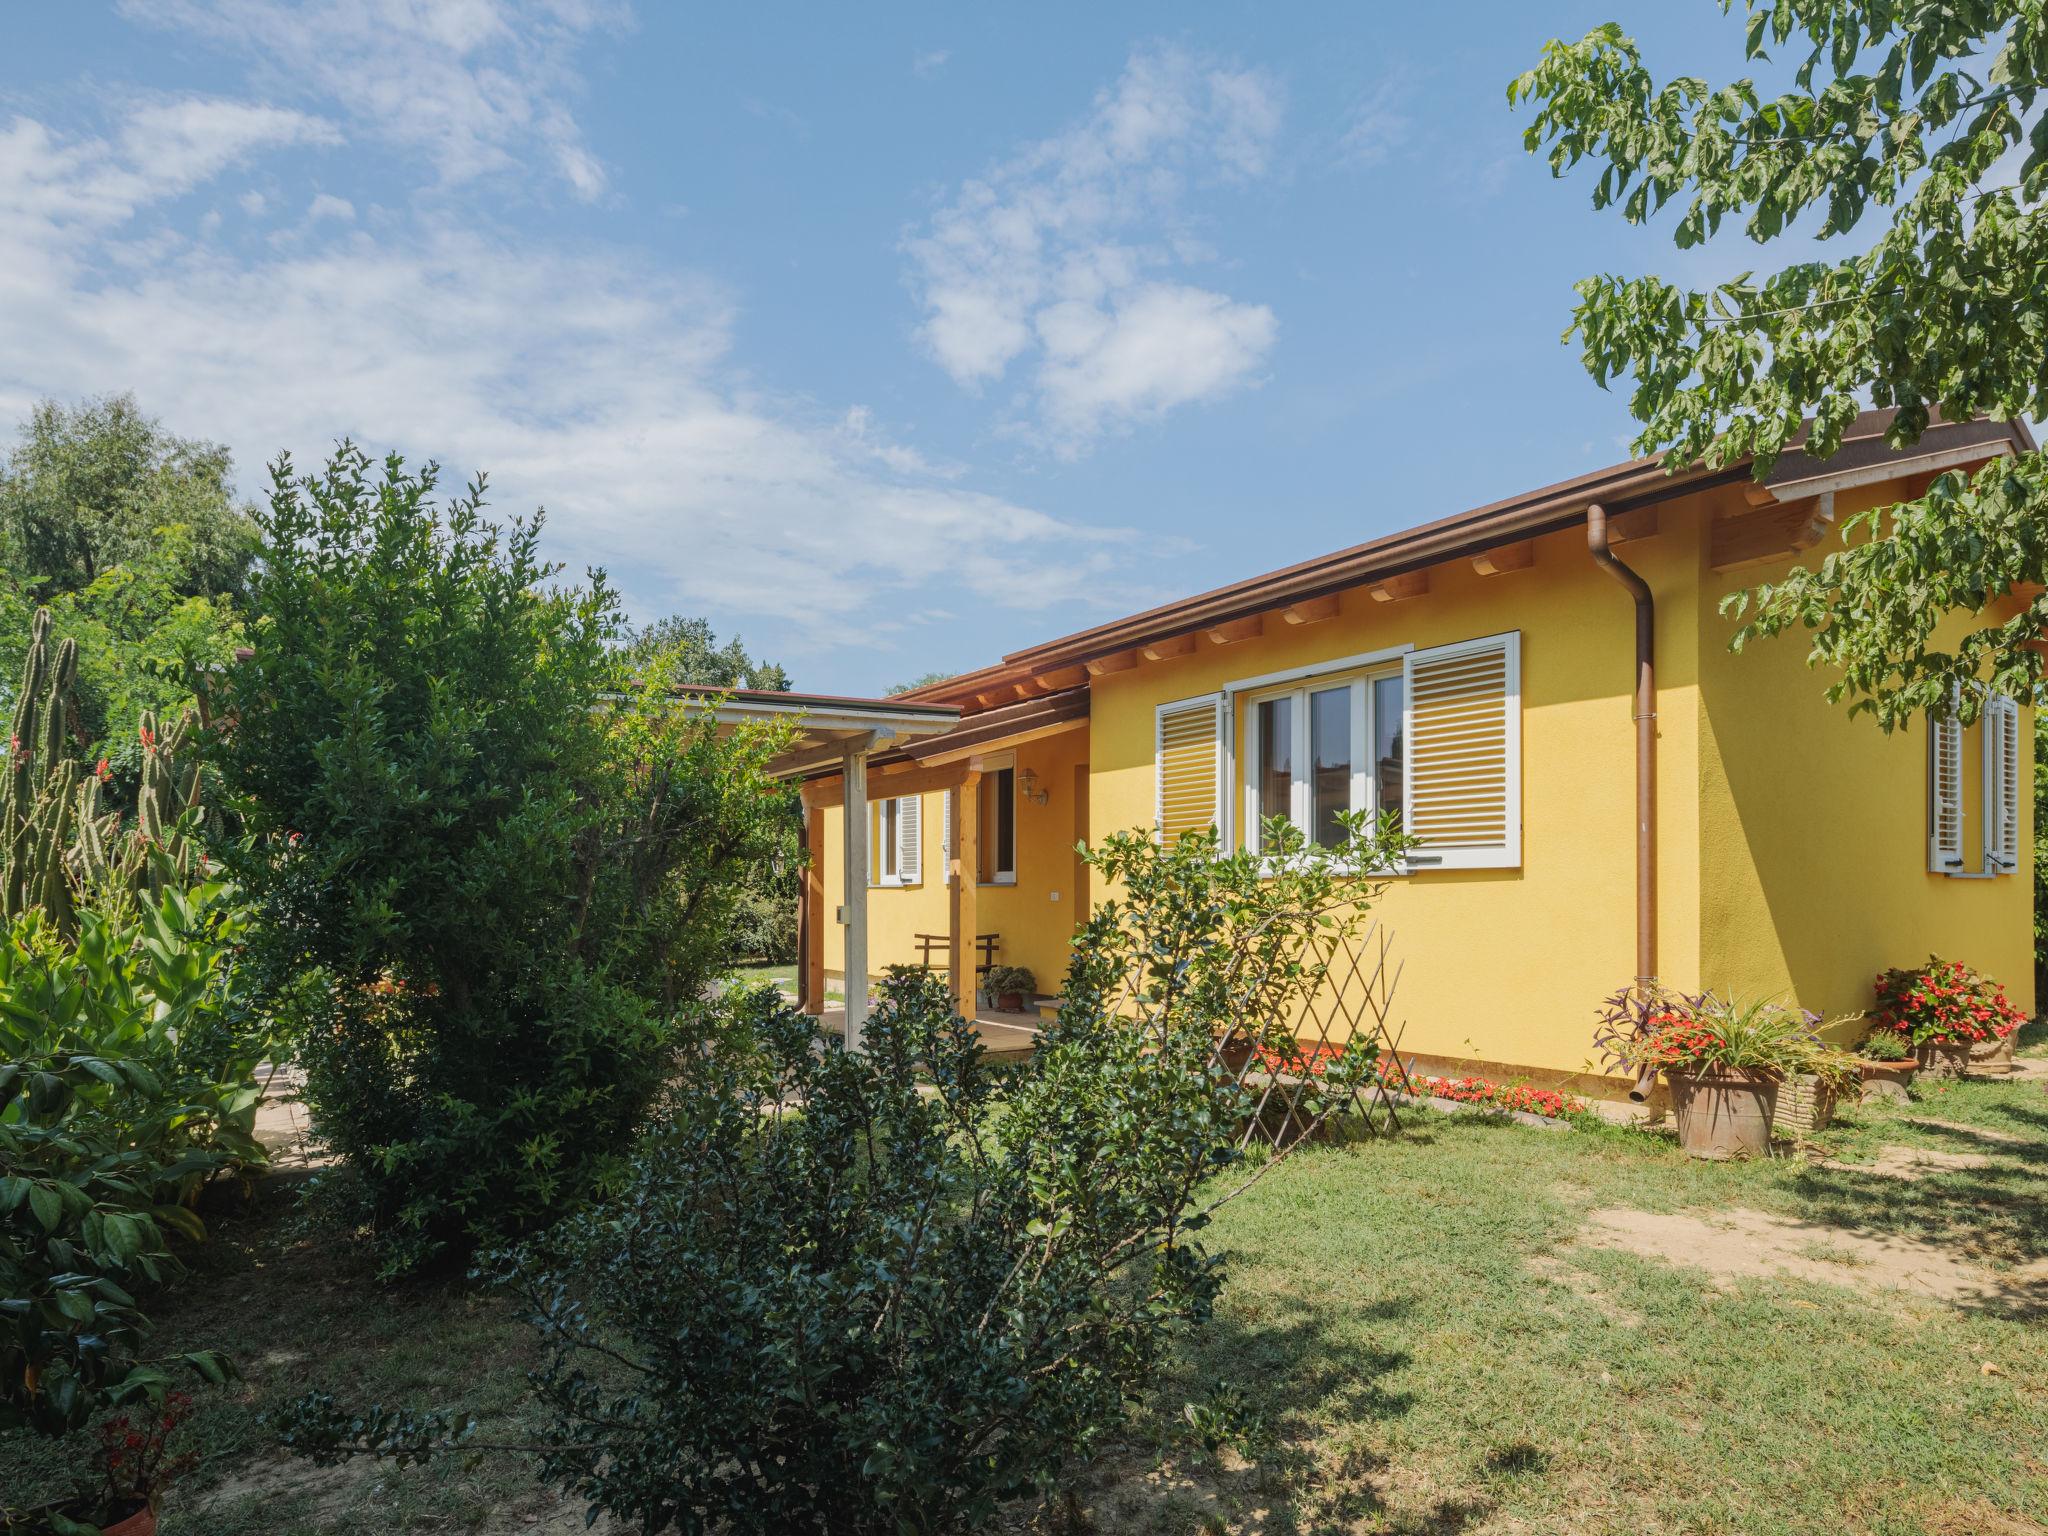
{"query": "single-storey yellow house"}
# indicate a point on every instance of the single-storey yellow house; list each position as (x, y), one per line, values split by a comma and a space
(1542, 687)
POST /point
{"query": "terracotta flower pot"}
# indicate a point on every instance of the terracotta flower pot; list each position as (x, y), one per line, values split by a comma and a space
(1009, 1002)
(1942, 1058)
(141, 1523)
(1723, 1115)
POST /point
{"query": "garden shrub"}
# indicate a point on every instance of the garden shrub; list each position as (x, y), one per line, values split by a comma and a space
(486, 861)
(125, 1067)
(892, 1291)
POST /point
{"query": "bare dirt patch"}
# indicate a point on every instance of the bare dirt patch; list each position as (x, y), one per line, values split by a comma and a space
(1744, 1244)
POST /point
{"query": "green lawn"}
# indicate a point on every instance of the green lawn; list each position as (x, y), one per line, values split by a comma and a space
(783, 976)
(1430, 1347)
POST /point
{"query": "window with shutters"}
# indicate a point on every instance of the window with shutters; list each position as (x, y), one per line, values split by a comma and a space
(1314, 752)
(896, 841)
(1188, 762)
(1998, 786)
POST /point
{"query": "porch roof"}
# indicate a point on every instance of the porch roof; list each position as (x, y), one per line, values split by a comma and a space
(828, 725)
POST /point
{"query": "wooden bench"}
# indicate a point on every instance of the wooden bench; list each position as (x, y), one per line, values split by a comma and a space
(986, 943)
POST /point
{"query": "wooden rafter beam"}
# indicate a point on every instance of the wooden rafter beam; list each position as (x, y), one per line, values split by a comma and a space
(1518, 556)
(1311, 610)
(1401, 588)
(1231, 631)
(1167, 650)
(1116, 661)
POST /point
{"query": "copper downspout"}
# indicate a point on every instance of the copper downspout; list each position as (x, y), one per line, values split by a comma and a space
(1646, 760)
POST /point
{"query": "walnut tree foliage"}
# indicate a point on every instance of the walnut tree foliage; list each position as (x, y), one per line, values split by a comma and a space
(1909, 130)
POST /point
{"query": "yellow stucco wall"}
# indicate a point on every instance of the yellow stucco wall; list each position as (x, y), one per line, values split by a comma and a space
(1500, 965)
(1035, 916)
(1813, 831)
(1791, 837)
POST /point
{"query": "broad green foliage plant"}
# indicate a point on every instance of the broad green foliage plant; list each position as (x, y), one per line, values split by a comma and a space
(127, 1067)
(895, 1291)
(486, 860)
(1916, 124)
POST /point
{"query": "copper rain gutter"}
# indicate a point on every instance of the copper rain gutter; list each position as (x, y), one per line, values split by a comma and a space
(1645, 714)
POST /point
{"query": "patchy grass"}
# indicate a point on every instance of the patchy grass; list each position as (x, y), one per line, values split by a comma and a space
(1413, 1326)
(783, 976)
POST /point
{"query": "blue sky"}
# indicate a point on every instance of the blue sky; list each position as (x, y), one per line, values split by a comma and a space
(889, 337)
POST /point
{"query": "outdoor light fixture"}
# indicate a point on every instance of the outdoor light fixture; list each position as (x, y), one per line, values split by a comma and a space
(1027, 786)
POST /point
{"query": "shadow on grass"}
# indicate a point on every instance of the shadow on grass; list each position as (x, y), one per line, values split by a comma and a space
(1302, 1371)
(1993, 1214)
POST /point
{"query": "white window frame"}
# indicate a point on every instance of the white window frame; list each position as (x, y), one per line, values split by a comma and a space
(1301, 791)
(885, 843)
(1947, 736)
(990, 767)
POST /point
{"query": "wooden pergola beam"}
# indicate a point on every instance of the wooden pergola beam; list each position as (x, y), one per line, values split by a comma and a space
(1116, 661)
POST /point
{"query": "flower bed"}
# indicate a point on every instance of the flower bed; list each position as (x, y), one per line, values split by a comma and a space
(1523, 1098)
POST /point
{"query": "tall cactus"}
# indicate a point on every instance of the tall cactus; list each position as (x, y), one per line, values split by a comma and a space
(58, 841)
(40, 804)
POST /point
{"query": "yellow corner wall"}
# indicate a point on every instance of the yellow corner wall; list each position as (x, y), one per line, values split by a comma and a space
(1813, 830)
(1035, 917)
(1500, 966)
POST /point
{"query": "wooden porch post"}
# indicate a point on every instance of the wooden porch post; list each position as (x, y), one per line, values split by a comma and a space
(964, 870)
(856, 886)
(810, 983)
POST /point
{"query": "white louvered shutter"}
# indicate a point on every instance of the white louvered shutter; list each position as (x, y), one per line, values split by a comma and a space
(1944, 794)
(2001, 785)
(1189, 764)
(910, 840)
(1463, 758)
(946, 836)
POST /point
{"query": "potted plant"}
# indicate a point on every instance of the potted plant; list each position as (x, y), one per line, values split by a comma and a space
(1725, 1063)
(1885, 1062)
(134, 1466)
(1012, 986)
(1943, 1010)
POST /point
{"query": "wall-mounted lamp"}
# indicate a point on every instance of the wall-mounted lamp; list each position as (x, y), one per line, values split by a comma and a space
(1027, 786)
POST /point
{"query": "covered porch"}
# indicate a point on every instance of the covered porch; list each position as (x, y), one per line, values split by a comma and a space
(896, 817)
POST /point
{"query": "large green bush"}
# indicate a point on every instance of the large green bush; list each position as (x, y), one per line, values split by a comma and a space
(487, 862)
(891, 1291)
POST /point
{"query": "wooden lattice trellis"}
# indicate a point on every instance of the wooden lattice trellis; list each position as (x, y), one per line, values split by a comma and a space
(1291, 1098)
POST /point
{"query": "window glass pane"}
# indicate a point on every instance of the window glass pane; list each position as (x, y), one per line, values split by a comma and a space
(885, 839)
(1386, 740)
(1275, 767)
(1006, 821)
(1329, 750)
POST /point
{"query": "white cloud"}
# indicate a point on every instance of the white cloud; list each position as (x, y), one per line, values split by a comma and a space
(1377, 126)
(1058, 254)
(471, 85)
(327, 206)
(593, 382)
(925, 65)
